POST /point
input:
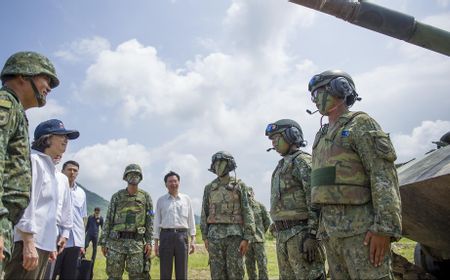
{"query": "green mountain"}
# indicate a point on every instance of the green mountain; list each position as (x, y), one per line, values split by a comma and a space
(94, 200)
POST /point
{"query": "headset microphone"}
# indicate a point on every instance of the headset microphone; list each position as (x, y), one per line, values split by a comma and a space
(269, 149)
(309, 111)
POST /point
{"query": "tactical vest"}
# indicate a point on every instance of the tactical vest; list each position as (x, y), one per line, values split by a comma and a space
(130, 212)
(338, 175)
(225, 204)
(288, 200)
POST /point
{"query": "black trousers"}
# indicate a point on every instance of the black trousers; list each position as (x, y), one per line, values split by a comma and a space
(173, 245)
(94, 239)
(67, 264)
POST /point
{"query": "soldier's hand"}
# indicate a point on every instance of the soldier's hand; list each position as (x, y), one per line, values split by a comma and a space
(191, 247)
(2, 245)
(156, 249)
(104, 250)
(243, 247)
(148, 250)
(206, 244)
(310, 249)
(379, 246)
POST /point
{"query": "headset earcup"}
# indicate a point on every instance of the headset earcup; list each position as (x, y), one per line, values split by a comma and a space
(340, 87)
(292, 135)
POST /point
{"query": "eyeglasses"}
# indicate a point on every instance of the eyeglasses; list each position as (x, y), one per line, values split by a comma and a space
(315, 94)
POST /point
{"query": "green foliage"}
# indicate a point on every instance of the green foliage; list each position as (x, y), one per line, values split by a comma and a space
(94, 200)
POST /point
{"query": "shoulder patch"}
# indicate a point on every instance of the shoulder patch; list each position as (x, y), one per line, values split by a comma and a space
(4, 117)
(5, 103)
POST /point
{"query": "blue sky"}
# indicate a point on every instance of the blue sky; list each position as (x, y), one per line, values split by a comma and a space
(168, 83)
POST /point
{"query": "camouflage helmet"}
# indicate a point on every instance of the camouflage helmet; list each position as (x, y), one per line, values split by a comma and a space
(225, 156)
(338, 83)
(444, 141)
(289, 129)
(30, 64)
(132, 168)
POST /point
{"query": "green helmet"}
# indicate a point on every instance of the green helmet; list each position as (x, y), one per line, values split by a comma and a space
(226, 156)
(289, 129)
(132, 168)
(30, 64)
(338, 83)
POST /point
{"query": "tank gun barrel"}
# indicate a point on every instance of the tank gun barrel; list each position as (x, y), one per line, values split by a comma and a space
(383, 20)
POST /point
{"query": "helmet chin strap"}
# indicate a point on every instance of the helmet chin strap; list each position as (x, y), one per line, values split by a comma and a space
(39, 97)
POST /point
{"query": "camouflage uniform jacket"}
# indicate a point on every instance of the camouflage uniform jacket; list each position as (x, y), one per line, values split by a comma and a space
(291, 194)
(219, 231)
(359, 134)
(262, 221)
(136, 217)
(15, 165)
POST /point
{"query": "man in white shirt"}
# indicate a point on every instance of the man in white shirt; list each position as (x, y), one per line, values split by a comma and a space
(35, 235)
(66, 264)
(174, 223)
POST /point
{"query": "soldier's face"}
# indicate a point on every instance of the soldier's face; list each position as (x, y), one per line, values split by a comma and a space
(58, 145)
(280, 145)
(133, 178)
(220, 167)
(172, 184)
(42, 83)
(323, 100)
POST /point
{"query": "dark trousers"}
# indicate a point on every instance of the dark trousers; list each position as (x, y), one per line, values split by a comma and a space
(67, 264)
(94, 239)
(173, 244)
(15, 270)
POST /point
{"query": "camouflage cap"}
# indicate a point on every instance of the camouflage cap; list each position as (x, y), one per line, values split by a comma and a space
(30, 64)
(132, 168)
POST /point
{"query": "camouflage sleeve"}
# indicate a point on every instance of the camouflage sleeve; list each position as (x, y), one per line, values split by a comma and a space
(106, 229)
(302, 172)
(378, 155)
(149, 220)
(247, 214)
(15, 165)
(265, 217)
(205, 213)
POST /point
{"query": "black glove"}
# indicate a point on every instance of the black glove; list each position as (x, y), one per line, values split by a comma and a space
(310, 249)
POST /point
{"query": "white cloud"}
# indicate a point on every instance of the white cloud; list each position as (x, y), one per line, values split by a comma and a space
(51, 110)
(87, 47)
(419, 141)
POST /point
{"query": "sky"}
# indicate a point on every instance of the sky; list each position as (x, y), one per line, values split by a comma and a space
(168, 83)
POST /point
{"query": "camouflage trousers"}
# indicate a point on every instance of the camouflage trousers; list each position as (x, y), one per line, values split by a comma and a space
(256, 254)
(293, 264)
(348, 258)
(7, 244)
(225, 259)
(116, 262)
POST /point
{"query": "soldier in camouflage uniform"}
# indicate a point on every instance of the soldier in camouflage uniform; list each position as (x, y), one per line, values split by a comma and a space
(354, 180)
(27, 78)
(227, 222)
(256, 252)
(128, 229)
(295, 218)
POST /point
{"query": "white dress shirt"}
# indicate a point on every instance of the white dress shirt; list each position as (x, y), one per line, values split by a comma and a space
(174, 212)
(39, 217)
(64, 215)
(77, 233)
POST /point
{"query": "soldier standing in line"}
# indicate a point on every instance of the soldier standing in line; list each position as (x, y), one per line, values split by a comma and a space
(27, 79)
(355, 181)
(295, 219)
(128, 228)
(256, 251)
(227, 222)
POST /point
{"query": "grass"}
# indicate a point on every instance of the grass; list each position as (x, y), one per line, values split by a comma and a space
(198, 262)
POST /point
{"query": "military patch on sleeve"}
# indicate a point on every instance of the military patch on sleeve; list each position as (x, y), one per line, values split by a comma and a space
(5, 103)
(345, 133)
(150, 212)
(4, 117)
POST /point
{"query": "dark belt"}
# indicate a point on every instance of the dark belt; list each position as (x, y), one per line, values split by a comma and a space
(174, 230)
(127, 235)
(287, 224)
